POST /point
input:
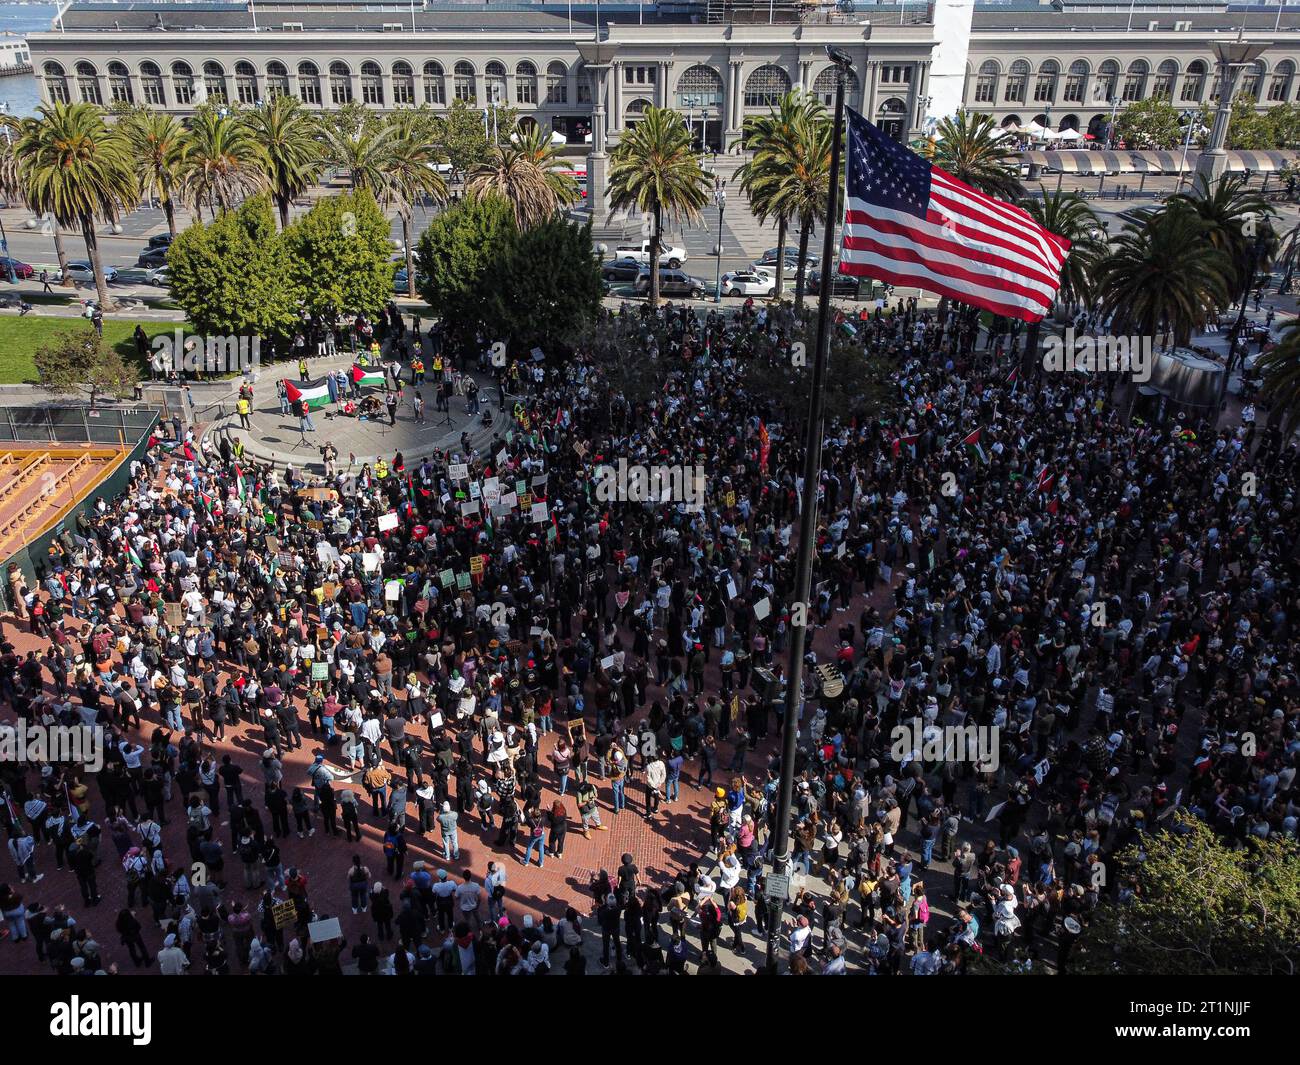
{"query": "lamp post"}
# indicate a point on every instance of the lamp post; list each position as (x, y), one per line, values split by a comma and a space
(807, 529)
(1188, 117)
(1257, 249)
(1232, 56)
(720, 199)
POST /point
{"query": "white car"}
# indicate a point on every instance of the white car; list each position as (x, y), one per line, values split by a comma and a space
(80, 271)
(159, 275)
(669, 256)
(748, 283)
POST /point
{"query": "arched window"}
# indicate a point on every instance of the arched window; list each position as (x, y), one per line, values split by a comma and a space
(151, 83)
(699, 86)
(1045, 84)
(183, 83)
(1166, 72)
(526, 83)
(464, 82)
(1135, 81)
(119, 83)
(635, 111)
(1279, 86)
(824, 86)
(583, 80)
(766, 86)
(277, 79)
(403, 83)
(1069, 122)
(340, 83)
(309, 83)
(214, 82)
(435, 85)
(557, 83)
(245, 82)
(88, 83)
(986, 84)
(1194, 82)
(1076, 81)
(1011, 120)
(1105, 83)
(1252, 79)
(1017, 79)
(56, 83)
(494, 83)
(372, 84)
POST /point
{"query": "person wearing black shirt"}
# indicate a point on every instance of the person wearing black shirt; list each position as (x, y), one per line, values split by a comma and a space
(367, 956)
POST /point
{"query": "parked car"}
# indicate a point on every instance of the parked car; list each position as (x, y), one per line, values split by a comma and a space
(841, 284)
(669, 255)
(159, 275)
(80, 271)
(22, 271)
(621, 270)
(748, 283)
(155, 256)
(672, 283)
(770, 256)
(160, 240)
(399, 281)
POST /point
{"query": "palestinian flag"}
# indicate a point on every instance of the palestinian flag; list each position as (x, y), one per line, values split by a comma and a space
(135, 558)
(973, 441)
(910, 441)
(316, 393)
(365, 375)
(1046, 480)
(764, 446)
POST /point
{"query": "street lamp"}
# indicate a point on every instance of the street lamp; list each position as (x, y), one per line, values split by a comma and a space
(1232, 56)
(1189, 118)
(800, 609)
(720, 200)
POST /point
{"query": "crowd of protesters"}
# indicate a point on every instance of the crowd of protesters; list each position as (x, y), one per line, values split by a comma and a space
(478, 643)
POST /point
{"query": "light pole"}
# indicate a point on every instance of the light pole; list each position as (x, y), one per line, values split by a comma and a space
(1190, 118)
(807, 529)
(720, 199)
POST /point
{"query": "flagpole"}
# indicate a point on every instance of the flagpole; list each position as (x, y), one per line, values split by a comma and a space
(807, 526)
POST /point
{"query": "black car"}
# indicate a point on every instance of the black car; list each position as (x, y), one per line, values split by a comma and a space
(841, 284)
(621, 270)
(155, 256)
(791, 256)
(671, 283)
(160, 240)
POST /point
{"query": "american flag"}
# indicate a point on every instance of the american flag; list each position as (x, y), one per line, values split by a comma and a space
(910, 223)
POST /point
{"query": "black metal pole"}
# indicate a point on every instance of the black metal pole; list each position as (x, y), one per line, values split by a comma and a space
(801, 608)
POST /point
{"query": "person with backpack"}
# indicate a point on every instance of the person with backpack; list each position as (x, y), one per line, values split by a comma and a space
(395, 850)
(359, 885)
(535, 831)
(588, 810)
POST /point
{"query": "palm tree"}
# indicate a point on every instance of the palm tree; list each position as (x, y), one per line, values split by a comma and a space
(1068, 215)
(524, 174)
(409, 176)
(362, 150)
(766, 135)
(159, 144)
(654, 169)
(1164, 276)
(1234, 215)
(293, 153)
(1279, 368)
(793, 174)
(78, 170)
(972, 149)
(225, 162)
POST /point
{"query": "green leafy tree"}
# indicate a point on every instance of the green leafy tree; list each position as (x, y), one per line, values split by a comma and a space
(455, 254)
(1249, 129)
(233, 275)
(1152, 123)
(972, 148)
(1200, 908)
(654, 169)
(339, 255)
(460, 135)
(545, 285)
(80, 171)
(1285, 119)
(79, 359)
(292, 152)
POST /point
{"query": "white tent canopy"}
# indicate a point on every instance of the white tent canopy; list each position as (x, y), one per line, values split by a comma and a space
(1033, 129)
(557, 137)
(1069, 135)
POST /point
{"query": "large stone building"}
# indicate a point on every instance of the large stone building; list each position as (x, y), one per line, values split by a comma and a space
(587, 70)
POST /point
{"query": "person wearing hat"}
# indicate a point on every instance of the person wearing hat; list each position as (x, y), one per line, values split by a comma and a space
(171, 959)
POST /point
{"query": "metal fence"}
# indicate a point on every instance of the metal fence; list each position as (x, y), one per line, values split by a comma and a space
(120, 426)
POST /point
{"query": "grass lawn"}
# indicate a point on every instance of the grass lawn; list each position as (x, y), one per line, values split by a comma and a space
(21, 337)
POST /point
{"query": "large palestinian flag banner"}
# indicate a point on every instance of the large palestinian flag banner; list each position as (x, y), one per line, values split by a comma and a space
(316, 393)
(366, 375)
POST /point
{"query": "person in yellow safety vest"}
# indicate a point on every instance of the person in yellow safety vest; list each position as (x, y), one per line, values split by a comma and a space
(302, 369)
(244, 408)
(374, 352)
(381, 469)
(239, 448)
